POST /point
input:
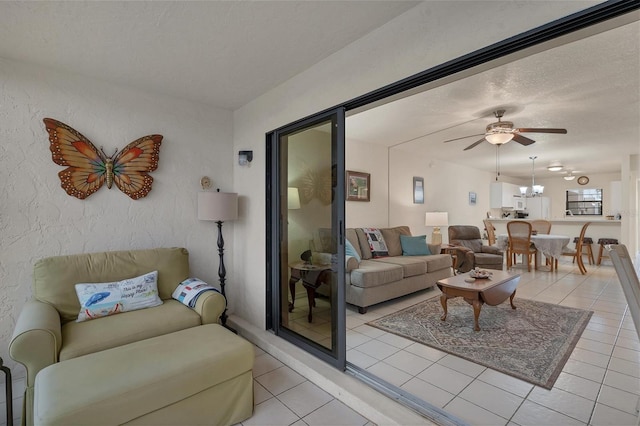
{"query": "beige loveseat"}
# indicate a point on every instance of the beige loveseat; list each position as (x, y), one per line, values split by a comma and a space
(376, 280)
(48, 339)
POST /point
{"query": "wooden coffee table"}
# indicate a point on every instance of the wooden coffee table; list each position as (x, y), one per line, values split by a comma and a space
(492, 291)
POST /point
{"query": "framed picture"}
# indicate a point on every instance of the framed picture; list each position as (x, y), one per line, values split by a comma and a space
(418, 190)
(358, 186)
(472, 198)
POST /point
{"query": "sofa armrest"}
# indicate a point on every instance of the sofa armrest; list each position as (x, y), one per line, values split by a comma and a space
(492, 250)
(210, 306)
(37, 338)
(466, 259)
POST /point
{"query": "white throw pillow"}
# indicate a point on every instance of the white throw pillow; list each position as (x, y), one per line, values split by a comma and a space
(103, 299)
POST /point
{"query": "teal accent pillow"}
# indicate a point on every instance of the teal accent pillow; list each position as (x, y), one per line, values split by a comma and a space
(349, 250)
(414, 246)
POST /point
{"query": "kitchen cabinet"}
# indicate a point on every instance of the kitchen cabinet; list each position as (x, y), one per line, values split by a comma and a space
(503, 195)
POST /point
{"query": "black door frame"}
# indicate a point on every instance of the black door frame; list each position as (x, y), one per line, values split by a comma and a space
(531, 39)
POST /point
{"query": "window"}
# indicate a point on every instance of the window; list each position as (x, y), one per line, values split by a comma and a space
(581, 202)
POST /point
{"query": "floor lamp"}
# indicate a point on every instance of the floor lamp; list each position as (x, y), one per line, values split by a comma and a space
(219, 207)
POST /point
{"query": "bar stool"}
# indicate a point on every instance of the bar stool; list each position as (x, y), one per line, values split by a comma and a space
(603, 242)
(8, 393)
(586, 248)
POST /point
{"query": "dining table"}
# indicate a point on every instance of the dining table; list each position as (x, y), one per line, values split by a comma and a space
(551, 245)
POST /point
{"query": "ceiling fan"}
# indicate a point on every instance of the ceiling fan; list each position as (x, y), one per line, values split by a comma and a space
(501, 132)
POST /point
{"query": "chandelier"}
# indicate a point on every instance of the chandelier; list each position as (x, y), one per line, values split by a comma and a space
(536, 190)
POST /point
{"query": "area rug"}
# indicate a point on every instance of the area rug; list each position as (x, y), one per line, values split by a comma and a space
(532, 342)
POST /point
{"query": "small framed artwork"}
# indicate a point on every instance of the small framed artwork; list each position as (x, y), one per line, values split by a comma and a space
(472, 198)
(418, 190)
(358, 186)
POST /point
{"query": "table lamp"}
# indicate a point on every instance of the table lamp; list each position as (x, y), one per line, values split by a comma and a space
(436, 220)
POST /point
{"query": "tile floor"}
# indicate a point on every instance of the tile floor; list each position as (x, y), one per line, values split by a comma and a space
(599, 385)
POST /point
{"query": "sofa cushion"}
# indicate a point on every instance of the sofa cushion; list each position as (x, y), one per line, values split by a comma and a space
(411, 265)
(436, 262)
(103, 299)
(363, 243)
(392, 238)
(81, 338)
(414, 246)
(372, 273)
(488, 259)
(54, 278)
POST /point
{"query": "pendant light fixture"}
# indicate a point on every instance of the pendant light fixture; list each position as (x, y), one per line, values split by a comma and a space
(536, 190)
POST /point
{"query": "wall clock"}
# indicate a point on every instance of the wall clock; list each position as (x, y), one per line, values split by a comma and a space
(583, 180)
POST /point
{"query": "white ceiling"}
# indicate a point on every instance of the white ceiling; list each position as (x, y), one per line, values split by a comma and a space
(591, 87)
(227, 53)
(222, 53)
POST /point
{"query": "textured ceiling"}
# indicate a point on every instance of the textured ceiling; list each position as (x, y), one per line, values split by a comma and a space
(591, 87)
(227, 53)
(222, 53)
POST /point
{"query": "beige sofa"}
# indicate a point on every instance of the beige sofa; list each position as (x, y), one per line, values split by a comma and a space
(376, 280)
(47, 336)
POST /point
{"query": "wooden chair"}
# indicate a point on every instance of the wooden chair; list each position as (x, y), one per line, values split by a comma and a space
(541, 226)
(520, 243)
(491, 231)
(577, 253)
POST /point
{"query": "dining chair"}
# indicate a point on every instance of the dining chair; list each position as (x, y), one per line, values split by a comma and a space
(541, 226)
(520, 243)
(577, 253)
(491, 232)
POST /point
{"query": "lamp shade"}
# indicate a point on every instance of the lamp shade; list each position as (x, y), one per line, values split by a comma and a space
(217, 206)
(498, 138)
(436, 219)
(293, 198)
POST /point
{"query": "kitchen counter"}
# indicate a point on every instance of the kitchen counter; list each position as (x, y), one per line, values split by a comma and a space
(599, 228)
(580, 220)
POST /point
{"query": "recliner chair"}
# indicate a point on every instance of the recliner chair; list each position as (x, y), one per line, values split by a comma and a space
(472, 253)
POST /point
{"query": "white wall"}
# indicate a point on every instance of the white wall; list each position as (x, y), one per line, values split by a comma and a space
(372, 159)
(556, 189)
(38, 219)
(427, 35)
(446, 188)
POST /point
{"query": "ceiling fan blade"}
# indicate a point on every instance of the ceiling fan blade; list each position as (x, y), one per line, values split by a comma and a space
(473, 145)
(533, 130)
(464, 137)
(522, 140)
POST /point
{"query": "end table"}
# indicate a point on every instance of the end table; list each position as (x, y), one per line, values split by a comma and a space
(453, 251)
(312, 276)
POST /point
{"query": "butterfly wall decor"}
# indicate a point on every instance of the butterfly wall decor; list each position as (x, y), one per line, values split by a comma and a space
(89, 168)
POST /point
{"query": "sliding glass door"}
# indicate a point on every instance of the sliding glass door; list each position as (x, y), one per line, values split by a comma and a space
(305, 209)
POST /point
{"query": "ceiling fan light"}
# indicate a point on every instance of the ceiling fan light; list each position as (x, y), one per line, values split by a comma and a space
(498, 138)
(555, 167)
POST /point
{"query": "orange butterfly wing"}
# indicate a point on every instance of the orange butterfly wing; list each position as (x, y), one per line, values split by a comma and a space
(132, 164)
(87, 166)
